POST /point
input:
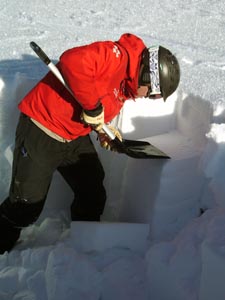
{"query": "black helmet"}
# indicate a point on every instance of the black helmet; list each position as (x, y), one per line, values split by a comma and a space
(160, 69)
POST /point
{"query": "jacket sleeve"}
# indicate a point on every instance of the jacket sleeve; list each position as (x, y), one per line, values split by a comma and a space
(85, 70)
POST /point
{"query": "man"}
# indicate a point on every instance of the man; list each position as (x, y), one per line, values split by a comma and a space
(53, 130)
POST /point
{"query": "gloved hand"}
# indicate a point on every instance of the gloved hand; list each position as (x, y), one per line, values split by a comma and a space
(94, 117)
(105, 141)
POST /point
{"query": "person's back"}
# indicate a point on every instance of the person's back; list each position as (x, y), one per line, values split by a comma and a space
(96, 73)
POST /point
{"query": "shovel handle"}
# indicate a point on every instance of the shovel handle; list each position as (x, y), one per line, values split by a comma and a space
(109, 133)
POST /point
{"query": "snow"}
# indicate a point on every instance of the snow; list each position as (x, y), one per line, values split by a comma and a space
(162, 231)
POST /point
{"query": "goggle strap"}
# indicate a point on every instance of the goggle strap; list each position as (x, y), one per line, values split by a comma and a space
(154, 70)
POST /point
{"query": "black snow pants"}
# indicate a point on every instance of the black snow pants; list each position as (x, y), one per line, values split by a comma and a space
(36, 157)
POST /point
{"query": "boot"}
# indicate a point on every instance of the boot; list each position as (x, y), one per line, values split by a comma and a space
(8, 235)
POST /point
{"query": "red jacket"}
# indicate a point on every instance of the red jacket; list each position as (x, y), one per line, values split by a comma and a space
(105, 72)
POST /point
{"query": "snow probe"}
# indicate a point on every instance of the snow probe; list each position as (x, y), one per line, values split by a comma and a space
(132, 148)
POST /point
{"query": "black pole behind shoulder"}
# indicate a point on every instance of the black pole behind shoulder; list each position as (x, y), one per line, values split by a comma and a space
(42, 55)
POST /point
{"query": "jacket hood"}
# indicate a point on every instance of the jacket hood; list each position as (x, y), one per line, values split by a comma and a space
(134, 47)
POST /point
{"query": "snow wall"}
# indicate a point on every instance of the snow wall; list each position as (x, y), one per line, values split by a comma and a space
(163, 193)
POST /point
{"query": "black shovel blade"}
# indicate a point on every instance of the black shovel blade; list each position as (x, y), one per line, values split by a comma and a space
(138, 149)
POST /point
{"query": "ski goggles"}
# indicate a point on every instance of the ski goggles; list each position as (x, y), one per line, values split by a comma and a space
(150, 73)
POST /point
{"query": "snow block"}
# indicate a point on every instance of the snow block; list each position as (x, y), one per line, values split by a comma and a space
(161, 282)
(9, 280)
(125, 278)
(71, 276)
(213, 274)
(95, 236)
(143, 118)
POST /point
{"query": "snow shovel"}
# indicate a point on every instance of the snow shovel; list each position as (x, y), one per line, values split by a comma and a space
(132, 148)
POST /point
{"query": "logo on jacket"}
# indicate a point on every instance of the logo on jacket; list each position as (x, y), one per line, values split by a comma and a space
(116, 92)
(116, 51)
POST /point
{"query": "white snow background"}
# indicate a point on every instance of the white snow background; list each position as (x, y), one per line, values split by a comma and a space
(162, 235)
